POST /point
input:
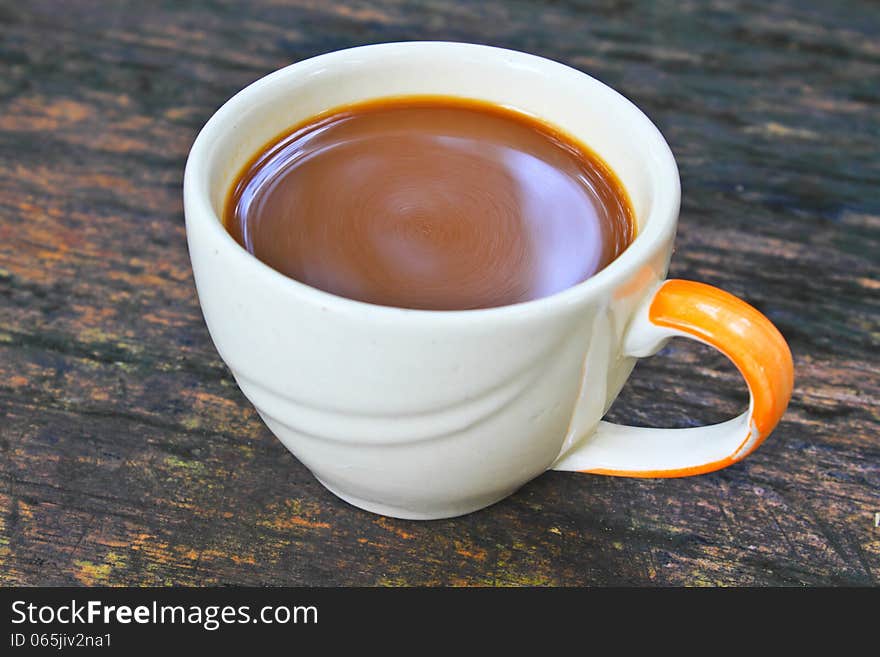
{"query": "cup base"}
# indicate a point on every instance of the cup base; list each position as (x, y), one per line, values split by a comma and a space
(412, 514)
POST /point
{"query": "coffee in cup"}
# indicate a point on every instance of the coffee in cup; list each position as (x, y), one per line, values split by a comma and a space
(430, 202)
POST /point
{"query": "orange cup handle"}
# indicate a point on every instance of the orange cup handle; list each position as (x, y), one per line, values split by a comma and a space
(717, 318)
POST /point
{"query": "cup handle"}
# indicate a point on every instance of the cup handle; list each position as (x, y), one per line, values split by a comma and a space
(704, 313)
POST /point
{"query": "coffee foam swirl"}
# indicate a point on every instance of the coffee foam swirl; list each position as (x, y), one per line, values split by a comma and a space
(420, 207)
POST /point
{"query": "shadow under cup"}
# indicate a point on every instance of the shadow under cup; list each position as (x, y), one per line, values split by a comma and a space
(413, 413)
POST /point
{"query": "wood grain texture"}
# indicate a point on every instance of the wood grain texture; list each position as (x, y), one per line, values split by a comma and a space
(128, 455)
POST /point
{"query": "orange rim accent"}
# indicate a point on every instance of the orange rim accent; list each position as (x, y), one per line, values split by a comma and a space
(665, 474)
(745, 336)
(740, 332)
(705, 468)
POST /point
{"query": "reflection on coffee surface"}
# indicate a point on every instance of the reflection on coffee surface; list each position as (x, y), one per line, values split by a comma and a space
(430, 202)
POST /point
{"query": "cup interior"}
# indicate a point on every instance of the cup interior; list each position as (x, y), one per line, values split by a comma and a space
(572, 101)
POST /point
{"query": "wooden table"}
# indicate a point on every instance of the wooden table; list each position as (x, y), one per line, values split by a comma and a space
(128, 455)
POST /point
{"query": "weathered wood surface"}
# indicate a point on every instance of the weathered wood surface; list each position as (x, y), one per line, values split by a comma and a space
(128, 455)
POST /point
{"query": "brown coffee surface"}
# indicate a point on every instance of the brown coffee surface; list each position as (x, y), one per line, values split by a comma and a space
(431, 203)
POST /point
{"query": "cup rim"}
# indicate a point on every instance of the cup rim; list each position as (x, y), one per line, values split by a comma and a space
(659, 224)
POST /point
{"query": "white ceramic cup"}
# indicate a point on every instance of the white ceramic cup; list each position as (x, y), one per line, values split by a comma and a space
(431, 414)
